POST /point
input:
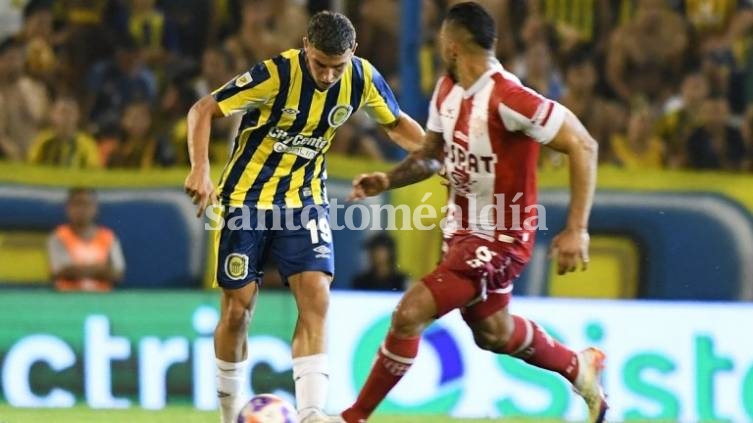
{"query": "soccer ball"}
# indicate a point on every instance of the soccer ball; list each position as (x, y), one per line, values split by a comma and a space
(267, 408)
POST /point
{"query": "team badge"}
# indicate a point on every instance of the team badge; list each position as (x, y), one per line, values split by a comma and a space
(236, 266)
(339, 114)
(243, 80)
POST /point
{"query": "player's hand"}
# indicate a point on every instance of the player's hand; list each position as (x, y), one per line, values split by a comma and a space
(200, 188)
(369, 185)
(570, 247)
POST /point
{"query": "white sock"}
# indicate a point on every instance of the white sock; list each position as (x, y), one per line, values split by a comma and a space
(230, 380)
(311, 375)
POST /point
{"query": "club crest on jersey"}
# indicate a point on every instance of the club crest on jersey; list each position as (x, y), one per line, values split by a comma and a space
(339, 114)
(236, 266)
(243, 80)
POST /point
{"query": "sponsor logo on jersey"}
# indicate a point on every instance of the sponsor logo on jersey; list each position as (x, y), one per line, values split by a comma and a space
(339, 114)
(299, 145)
(462, 159)
(290, 111)
(236, 266)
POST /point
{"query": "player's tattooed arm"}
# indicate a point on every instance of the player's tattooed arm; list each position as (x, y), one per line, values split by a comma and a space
(419, 165)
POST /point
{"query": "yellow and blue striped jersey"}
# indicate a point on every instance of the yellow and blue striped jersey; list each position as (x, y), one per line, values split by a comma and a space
(278, 158)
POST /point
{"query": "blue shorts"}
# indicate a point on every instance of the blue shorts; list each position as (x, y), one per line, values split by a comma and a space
(297, 239)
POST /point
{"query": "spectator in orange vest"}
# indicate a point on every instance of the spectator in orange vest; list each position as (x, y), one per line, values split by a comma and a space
(83, 255)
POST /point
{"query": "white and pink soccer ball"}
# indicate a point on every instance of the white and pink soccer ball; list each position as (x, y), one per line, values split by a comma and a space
(267, 408)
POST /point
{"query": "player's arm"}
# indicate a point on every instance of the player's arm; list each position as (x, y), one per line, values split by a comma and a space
(198, 184)
(418, 166)
(405, 132)
(551, 123)
(571, 245)
(381, 105)
(248, 90)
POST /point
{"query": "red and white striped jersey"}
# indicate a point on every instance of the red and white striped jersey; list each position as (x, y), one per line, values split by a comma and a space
(492, 134)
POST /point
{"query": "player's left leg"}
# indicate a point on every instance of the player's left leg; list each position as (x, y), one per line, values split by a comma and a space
(310, 367)
(416, 310)
(305, 257)
(495, 329)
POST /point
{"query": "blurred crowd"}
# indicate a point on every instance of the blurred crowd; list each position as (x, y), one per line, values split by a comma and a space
(107, 83)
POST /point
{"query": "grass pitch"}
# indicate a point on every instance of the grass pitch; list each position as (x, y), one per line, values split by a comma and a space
(183, 415)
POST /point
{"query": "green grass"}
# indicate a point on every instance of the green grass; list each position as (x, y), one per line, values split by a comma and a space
(182, 415)
(186, 414)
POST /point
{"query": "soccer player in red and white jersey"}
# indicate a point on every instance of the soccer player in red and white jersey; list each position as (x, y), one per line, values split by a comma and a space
(487, 129)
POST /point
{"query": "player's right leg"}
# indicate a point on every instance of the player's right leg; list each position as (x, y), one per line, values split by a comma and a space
(230, 348)
(239, 254)
(495, 329)
(305, 258)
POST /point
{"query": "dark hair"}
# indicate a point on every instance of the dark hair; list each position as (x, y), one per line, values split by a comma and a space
(383, 240)
(476, 20)
(331, 32)
(80, 190)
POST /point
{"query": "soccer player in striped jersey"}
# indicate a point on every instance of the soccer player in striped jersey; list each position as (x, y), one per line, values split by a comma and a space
(292, 106)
